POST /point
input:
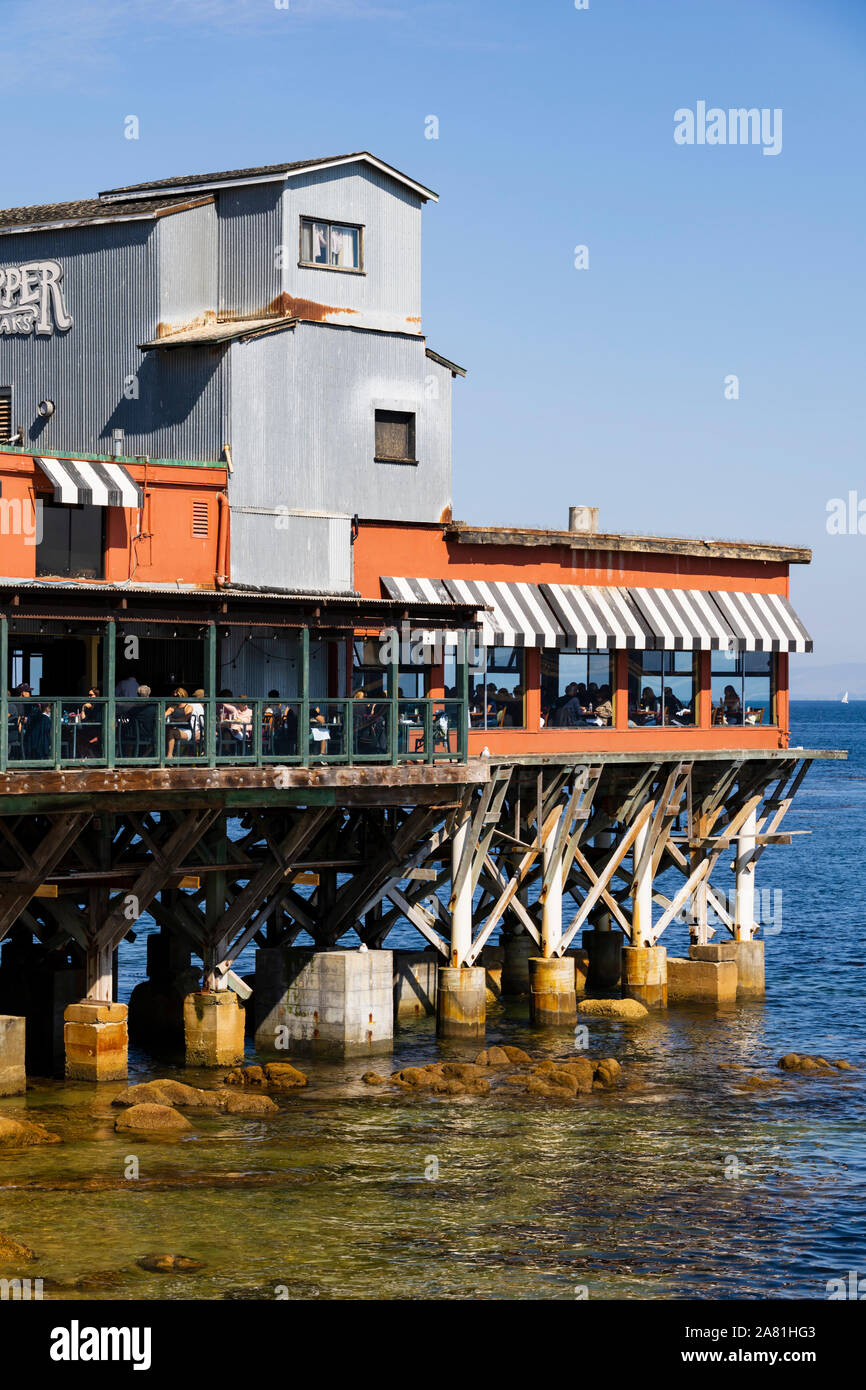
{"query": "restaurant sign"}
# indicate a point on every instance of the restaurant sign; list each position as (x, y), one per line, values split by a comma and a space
(31, 298)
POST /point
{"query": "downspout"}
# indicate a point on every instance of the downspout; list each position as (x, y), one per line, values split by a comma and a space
(221, 577)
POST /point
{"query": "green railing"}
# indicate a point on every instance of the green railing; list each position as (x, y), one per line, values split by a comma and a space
(69, 731)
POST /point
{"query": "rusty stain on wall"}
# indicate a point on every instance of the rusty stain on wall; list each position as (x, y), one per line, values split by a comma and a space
(286, 304)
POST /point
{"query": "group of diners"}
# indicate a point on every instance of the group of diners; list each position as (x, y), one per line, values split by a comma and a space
(495, 707)
(580, 704)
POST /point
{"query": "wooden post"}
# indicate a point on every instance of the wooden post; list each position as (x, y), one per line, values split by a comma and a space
(461, 914)
(109, 666)
(210, 692)
(744, 914)
(304, 692)
(4, 699)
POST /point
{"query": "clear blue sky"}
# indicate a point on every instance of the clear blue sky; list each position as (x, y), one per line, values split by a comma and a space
(601, 386)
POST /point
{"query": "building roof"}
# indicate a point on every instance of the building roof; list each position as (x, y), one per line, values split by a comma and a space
(600, 540)
(212, 334)
(44, 216)
(265, 173)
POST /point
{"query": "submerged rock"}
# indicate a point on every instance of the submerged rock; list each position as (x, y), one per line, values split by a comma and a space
(582, 1069)
(169, 1264)
(166, 1092)
(282, 1076)
(144, 1118)
(372, 1078)
(22, 1134)
(237, 1103)
(797, 1061)
(630, 1010)
(13, 1251)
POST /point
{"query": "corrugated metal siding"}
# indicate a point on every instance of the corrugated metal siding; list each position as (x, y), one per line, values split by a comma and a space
(251, 662)
(388, 294)
(168, 405)
(298, 552)
(186, 245)
(305, 399)
(249, 235)
(109, 284)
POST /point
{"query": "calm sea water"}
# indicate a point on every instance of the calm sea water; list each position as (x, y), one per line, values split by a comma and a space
(684, 1185)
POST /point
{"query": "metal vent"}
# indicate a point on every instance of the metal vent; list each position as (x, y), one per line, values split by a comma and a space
(5, 414)
(200, 519)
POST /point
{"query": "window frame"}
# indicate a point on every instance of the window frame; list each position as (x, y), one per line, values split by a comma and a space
(665, 675)
(738, 679)
(409, 459)
(50, 506)
(587, 654)
(331, 222)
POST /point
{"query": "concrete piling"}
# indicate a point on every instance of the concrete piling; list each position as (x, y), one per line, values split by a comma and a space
(213, 1029)
(462, 1002)
(13, 1074)
(645, 975)
(96, 1041)
(552, 997)
(336, 1002)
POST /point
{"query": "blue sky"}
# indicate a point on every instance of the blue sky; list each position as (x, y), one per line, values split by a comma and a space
(605, 385)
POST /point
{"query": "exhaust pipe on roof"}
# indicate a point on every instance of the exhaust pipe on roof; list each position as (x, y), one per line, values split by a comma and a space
(583, 519)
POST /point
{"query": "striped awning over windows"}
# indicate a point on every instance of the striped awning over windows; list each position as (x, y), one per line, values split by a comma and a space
(91, 483)
(514, 614)
(518, 615)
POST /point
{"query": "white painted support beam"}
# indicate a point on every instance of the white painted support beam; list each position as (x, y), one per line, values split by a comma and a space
(461, 901)
(551, 908)
(744, 914)
(642, 894)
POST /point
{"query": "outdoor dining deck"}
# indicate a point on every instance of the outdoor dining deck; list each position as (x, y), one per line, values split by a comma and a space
(102, 732)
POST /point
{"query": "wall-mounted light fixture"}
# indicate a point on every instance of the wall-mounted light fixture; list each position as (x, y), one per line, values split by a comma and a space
(45, 409)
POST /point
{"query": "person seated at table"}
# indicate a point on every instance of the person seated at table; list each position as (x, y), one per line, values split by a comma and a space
(370, 726)
(672, 705)
(604, 708)
(140, 725)
(36, 731)
(732, 710)
(242, 724)
(284, 723)
(569, 712)
(178, 719)
(90, 741)
(648, 707)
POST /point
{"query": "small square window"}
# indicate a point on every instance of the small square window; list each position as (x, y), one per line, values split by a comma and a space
(332, 244)
(395, 436)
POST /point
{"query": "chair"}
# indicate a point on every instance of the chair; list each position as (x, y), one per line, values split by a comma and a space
(440, 735)
(755, 715)
(718, 715)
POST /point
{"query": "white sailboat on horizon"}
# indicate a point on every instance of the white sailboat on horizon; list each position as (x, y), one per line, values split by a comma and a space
(845, 698)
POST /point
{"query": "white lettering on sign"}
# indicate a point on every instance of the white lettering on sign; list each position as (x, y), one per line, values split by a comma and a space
(31, 298)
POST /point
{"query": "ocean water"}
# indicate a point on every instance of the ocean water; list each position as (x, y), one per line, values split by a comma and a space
(686, 1183)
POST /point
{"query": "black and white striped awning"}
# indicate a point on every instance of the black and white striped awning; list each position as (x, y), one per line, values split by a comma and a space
(763, 623)
(91, 483)
(516, 614)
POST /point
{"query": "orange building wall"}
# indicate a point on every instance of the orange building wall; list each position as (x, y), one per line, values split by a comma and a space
(155, 545)
(424, 552)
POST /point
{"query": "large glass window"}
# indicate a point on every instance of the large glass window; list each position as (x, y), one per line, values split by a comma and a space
(371, 676)
(742, 687)
(330, 244)
(72, 542)
(577, 688)
(497, 688)
(661, 688)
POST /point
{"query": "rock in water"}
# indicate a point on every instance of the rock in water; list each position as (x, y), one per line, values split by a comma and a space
(152, 1117)
(237, 1103)
(515, 1054)
(372, 1078)
(629, 1010)
(12, 1251)
(21, 1134)
(283, 1076)
(169, 1264)
(497, 1057)
(166, 1093)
